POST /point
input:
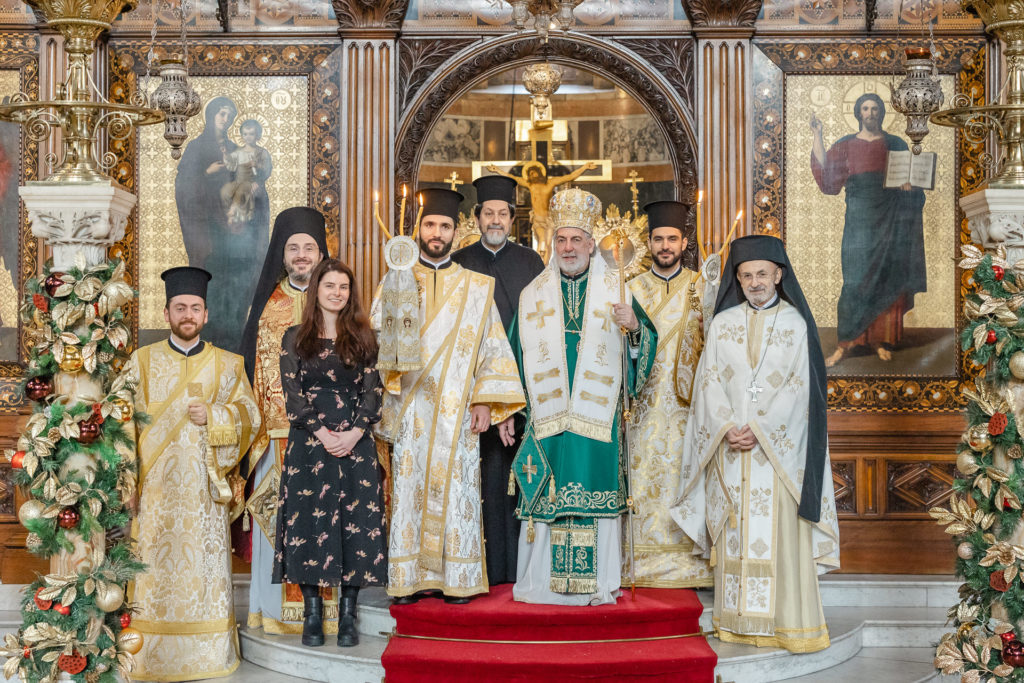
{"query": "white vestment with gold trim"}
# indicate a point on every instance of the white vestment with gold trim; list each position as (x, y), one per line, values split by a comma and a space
(184, 598)
(740, 507)
(436, 538)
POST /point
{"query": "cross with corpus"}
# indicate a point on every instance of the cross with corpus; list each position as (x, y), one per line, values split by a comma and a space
(540, 313)
(529, 469)
(634, 178)
(453, 180)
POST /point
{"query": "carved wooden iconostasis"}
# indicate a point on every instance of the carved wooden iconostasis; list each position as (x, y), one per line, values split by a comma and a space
(354, 97)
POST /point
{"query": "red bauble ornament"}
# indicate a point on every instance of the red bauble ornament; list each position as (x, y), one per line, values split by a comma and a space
(997, 581)
(26, 653)
(991, 337)
(997, 424)
(52, 282)
(126, 620)
(38, 388)
(68, 518)
(1007, 637)
(62, 609)
(1013, 653)
(73, 663)
(998, 272)
(17, 459)
(88, 430)
(40, 603)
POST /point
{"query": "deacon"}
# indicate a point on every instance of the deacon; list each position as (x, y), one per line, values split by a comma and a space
(569, 342)
(202, 420)
(672, 297)
(756, 487)
(298, 242)
(463, 380)
(512, 266)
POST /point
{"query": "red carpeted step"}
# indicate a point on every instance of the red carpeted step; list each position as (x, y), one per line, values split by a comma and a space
(656, 612)
(680, 660)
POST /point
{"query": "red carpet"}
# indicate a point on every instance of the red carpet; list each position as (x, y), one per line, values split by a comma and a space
(656, 613)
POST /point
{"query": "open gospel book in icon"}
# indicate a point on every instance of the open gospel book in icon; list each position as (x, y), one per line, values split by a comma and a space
(902, 167)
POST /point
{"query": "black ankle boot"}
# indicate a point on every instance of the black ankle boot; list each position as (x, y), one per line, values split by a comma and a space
(348, 636)
(313, 617)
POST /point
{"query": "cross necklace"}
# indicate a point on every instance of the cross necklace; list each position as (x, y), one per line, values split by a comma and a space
(752, 387)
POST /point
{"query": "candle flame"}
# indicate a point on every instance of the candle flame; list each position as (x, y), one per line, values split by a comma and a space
(376, 196)
(403, 191)
(700, 196)
(739, 214)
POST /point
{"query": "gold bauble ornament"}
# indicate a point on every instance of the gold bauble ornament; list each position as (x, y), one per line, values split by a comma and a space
(130, 641)
(72, 360)
(966, 463)
(30, 510)
(109, 597)
(124, 409)
(965, 550)
(1017, 364)
(978, 438)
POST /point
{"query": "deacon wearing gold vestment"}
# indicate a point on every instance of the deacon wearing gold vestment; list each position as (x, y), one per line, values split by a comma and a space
(569, 342)
(756, 493)
(460, 380)
(202, 419)
(672, 296)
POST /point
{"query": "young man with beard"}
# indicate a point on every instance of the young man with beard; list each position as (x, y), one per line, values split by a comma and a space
(202, 419)
(465, 381)
(513, 267)
(672, 297)
(298, 243)
(569, 341)
(755, 493)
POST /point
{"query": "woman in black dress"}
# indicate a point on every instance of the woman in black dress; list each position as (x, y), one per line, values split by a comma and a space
(330, 523)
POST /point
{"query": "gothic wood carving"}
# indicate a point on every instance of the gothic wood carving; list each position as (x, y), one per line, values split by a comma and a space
(587, 52)
(418, 59)
(362, 14)
(774, 60)
(722, 13)
(673, 58)
(20, 51)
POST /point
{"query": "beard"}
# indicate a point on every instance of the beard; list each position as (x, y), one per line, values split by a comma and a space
(432, 250)
(494, 235)
(574, 267)
(668, 260)
(191, 334)
(298, 276)
(760, 298)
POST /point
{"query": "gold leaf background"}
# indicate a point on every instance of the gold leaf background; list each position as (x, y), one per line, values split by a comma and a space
(814, 220)
(281, 105)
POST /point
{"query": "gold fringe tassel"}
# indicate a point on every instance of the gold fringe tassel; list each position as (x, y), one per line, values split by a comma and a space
(511, 483)
(529, 530)
(551, 488)
(246, 526)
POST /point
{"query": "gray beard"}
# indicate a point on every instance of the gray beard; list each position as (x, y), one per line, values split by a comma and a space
(494, 239)
(571, 270)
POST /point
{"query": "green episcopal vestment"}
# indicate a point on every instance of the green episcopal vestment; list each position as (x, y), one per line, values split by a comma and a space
(588, 481)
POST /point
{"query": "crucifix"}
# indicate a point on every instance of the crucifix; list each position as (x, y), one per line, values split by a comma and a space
(453, 180)
(754, 391)
(634, 178)
(529, 469)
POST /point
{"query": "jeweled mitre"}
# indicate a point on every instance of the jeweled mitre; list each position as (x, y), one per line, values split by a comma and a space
(575, 208)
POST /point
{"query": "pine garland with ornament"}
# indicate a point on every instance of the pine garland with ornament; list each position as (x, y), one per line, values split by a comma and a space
(76, 462)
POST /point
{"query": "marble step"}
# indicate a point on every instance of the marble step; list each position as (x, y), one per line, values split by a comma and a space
(882, 664)
(330, 663)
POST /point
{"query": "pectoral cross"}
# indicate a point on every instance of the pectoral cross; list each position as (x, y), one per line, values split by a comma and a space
(453, 180)
(754, 391)
(634, 178)
(529, 469)
(540, 313)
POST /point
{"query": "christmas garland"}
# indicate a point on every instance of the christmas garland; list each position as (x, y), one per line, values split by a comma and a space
(76, 462)
(984, 513)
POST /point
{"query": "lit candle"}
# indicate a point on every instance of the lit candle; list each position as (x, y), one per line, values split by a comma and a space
(376, 214)
(735, 224)
(401, 214)
(419, 216)
(702, 239)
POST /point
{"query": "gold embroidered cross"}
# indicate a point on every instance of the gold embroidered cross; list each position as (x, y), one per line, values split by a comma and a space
(529, 469)
(607, 317)
(541, 313)
(453, 180)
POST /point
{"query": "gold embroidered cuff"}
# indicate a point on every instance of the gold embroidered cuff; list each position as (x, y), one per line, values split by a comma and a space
(222, 435)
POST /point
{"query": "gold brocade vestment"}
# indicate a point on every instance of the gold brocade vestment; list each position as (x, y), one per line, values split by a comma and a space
(184, 598)
(436, 539)
(664, 554)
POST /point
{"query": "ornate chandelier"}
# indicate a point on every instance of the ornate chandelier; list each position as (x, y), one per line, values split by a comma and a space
(79, 110)
(543, 12)
(919, 95)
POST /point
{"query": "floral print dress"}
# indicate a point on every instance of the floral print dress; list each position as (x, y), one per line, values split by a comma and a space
(330, 519)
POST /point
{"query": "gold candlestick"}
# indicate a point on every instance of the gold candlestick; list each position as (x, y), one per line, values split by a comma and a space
(401, 214)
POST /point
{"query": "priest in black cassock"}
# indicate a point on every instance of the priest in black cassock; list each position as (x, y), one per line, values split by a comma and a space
(513, 267)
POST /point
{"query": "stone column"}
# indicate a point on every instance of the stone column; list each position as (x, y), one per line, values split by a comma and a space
(723, 31)
(369, 115)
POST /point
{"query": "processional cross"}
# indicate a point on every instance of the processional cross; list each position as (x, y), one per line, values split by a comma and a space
(529, 469)
(634, 178)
